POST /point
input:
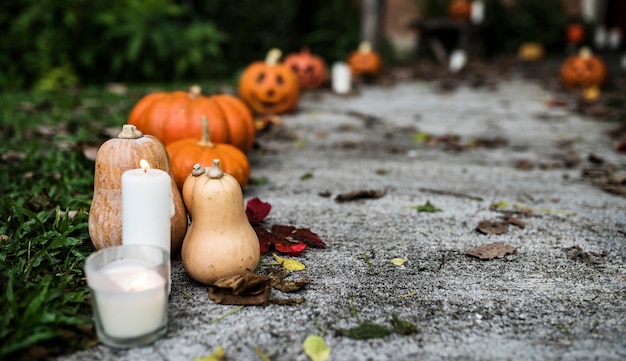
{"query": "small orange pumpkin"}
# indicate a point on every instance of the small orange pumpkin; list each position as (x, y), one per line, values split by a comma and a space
(583, 70)
(575, 33)
(185, 153)
(269, 87)
(310, 69)
(365, 61)
(460, 9)
(171, 116)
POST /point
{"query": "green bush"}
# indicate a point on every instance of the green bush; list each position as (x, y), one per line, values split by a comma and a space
(52, 44)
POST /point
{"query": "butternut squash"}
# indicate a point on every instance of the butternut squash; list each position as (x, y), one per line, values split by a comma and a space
(220, 242)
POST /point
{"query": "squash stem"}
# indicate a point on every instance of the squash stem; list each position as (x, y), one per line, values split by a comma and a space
(273, 56)
(130, 131)
(206, 133)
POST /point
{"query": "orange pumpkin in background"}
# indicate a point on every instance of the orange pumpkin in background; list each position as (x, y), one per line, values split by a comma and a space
(171, 116)
(185, 153)
(575, 33)
(269, 87)
(460, 9)
(310, 69)
(583, 70)
(365, 61)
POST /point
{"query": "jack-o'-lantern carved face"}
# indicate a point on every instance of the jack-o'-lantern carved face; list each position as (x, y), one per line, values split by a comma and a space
(310, 69)
(365, 61)
(583, 70)
(269, 87)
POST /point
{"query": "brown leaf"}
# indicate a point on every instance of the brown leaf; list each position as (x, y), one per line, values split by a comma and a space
(278, 281)
(492, 227)
(514, 221)
(491, 250)
(287, 301)
(360, 194)
(243, 289)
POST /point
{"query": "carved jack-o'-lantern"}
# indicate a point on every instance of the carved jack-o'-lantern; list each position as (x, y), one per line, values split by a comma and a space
(269, 87)
(309, 68)
(583, 70)
(365, 61)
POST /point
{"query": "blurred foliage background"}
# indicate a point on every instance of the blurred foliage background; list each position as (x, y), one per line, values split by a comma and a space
(48, 44)
(51, 44)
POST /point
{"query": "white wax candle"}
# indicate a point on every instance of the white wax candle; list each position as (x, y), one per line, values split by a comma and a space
(615, 38)
(131, 299)
(341, 78)
(478, 11)
(600, 37)
(147, 207)
(588, 10)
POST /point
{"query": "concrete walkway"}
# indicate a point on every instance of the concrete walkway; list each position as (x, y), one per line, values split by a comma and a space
(561, 296)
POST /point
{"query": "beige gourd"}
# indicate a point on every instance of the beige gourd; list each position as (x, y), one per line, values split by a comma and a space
(220, 242)
(115, 156)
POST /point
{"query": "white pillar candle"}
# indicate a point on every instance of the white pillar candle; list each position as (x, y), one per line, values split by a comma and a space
(588, 10)
(477, 14)
(458, 58)
(341, 78)
(147, 207)
(615, 38)
(130, 299)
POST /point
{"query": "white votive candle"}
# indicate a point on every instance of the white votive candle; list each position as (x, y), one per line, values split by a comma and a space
(341, 78)
(478, 11)
(137, 306)
(147, 207)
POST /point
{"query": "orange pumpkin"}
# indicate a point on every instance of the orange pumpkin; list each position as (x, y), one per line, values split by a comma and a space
(583, 70)
(269, 87)
(309, 68)
(365, 61)
(176, 115)
(185, 153)
(575, 33)
(460, 9)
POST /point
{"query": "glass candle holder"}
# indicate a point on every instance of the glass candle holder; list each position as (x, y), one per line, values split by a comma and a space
(128, 286)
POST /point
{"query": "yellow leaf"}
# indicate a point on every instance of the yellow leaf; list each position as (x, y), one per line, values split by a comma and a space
(316, 348)
(217, 355)
(498, 205)
(398, 261)
(290, 264)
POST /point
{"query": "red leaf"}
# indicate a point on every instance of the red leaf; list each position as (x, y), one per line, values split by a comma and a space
(257, 210)
(299, 234)
(292, 249)
(265, 239)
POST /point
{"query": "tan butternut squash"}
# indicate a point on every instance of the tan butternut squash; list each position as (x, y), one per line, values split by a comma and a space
(220, 242)
(114, 157)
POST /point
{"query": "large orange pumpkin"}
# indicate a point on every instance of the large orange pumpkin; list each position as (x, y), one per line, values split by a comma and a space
(176, 115)
(460, 9)
(309, 68)
(365, 61)
(583, 70)
(185, 153)
(269, 87)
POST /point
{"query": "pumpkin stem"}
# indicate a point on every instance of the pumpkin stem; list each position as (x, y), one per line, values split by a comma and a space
(206, 134)
(365, 47)
(195, 91)
(130, 131)
(215, 172)
(585, 52)
(273, 56)
(197, 170)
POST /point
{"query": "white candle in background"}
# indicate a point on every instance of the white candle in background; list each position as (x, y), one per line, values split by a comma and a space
(457, 60)
(615, 38)
(623, 62)
(131, 299)
(478, 11)
(600, 37)
(588, 10)
(341, 78)
(147, 207)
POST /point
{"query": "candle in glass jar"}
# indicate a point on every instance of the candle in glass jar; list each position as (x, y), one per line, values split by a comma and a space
(147, 207)
(134, 303)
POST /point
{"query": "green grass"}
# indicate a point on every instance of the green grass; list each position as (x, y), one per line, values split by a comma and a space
(46, 187)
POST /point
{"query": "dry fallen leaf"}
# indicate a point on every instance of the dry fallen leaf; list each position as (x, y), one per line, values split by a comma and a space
(316, 348)
(491, 250)
(360, 194)
(491, 227)
(243, 289)
(278, 281)
(290, 264)
(398, 261)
